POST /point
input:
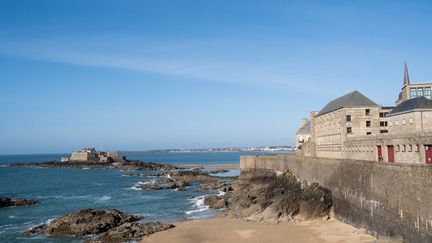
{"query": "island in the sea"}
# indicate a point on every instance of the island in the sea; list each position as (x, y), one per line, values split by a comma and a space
(91, 158)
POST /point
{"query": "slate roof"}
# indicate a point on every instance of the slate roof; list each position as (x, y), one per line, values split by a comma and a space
(350, 100)
(304, 129)
(412, 104)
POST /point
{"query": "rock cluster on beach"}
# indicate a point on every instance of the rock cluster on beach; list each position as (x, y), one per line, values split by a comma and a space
(16, 202)
(216, 201)
(109, 225)
(272, 198)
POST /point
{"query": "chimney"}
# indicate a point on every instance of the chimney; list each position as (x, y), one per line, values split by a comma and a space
(304, 121)
(313, 114)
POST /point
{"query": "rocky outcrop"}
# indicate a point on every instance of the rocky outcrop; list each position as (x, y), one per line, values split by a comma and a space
(182, 178)
(220, 171)
(124, 165)
(132, 231)
(279, 197)
(192, 176)
(165, 183)
(222, 186)
(17, 202)
(111, 225)
(215, 201)
(85, 222)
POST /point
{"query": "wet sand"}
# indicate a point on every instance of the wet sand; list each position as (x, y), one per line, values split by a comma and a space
(229, 230)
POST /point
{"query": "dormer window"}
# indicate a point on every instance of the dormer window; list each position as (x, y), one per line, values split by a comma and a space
(420, 91)
(413, 92)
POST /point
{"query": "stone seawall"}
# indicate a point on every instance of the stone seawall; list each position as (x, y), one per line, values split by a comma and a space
(385, 199)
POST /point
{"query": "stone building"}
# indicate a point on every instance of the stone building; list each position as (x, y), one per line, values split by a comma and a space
(85, 154)
(355, 127)
(351, 115)
(303, 133)
(90, 154)
(410, 90)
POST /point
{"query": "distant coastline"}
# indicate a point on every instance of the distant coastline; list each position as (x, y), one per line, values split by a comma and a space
(197, 150)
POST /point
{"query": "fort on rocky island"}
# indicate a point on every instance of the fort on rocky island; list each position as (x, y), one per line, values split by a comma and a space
(91, 155)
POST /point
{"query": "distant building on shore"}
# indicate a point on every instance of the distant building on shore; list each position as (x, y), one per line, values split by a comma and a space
(354, 127)
(90, 154)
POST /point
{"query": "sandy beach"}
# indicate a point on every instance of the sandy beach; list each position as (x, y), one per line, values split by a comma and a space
(225, 229)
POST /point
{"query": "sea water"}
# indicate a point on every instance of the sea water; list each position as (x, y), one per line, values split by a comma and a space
(65, 190)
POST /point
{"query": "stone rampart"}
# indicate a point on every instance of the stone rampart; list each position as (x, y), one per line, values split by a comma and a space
(385, 199)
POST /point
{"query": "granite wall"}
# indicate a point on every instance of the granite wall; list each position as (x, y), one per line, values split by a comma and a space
(385, 199)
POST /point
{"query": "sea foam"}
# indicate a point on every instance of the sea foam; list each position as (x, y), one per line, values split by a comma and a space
(198, 205)
(104, 198)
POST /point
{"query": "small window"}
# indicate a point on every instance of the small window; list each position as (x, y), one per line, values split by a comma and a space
(428, 92)
(397, 123)
(383, 131)
(410, 148)
(397, 148)
(368, 123)
(349, 130)
(368, 133)
(411, 121)
(413, 92)
(348, 118)
(417, 148)
(420, 91)
(403, 122)
(367, 112)
(403, 148)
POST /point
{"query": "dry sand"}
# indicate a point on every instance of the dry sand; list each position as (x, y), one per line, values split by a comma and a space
(228, 230)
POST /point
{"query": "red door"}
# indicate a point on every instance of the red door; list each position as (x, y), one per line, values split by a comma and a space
(390, 153)
(428, 154)
(379, 153)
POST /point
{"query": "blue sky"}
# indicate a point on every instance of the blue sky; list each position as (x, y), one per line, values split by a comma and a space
(168, 74)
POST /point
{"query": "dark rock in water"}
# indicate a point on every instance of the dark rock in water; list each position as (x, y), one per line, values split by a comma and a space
(24, 202)
(134, 174)
(132, 231)
(181, 183)
(111, 225)
(163, 173)
(273, 198)
(173, 185)
(5, 202)
(164, 180)
(215, 202)
(151, 187)
(85, 222)
(125, 165)
(219, 171)
(18, 202)
(36, 230)
(191, 176)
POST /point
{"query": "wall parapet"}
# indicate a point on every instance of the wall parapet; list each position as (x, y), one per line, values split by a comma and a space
(387, 199)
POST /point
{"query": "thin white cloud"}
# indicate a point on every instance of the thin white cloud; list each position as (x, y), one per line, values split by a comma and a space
(215, 61)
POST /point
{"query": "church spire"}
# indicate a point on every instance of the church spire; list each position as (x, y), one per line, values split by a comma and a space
(406, 76)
